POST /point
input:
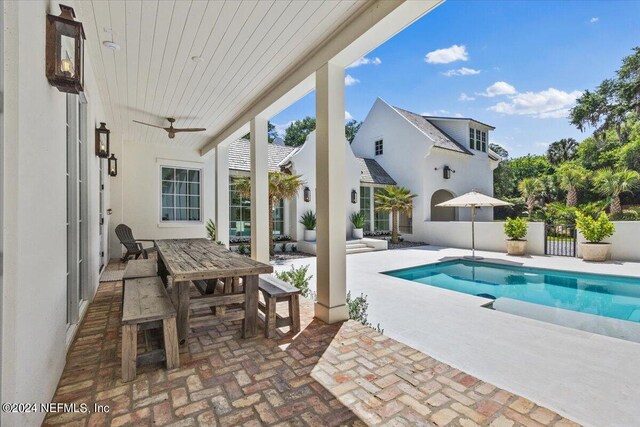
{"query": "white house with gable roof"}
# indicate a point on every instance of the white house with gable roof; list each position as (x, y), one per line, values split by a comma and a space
(437, 158)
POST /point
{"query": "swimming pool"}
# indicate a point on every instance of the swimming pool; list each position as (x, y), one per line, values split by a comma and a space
(609, 296)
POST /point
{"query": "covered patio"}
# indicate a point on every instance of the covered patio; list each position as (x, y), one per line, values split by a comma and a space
(327, 375)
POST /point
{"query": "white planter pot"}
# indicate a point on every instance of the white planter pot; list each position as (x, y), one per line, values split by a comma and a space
(597, 252)
(309, 235)
(516, 247)
(358, 233)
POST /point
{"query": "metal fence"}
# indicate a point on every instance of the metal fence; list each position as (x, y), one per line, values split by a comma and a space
(560, 240)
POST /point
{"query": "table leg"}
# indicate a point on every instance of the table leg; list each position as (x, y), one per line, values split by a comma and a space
(181, 299)
(250, 306)
(162, 271)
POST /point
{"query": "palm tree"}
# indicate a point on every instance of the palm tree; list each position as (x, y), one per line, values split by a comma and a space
(562, 151)
(531, 189)
(611, 184)
(571, 177)
(282, 186)
(394, 199)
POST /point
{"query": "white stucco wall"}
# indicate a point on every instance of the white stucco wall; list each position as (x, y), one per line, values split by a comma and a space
(137, 204)
(304, 163)
(411, 160)
(489, 235)
(34, 330)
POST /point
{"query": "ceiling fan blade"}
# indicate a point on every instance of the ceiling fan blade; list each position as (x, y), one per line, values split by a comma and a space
(148, 124)
(189, 129)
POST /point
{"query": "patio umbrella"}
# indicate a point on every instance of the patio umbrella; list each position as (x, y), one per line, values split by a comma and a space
(472, 200)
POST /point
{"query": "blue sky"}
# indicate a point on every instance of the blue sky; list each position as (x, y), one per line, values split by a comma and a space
(541, 54)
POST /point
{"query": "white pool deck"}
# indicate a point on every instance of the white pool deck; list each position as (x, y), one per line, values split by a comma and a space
(589, 378)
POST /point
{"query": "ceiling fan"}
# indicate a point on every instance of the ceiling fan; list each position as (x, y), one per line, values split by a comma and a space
(171, 130)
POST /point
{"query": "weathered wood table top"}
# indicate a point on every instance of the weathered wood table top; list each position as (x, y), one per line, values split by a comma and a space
(199, 259)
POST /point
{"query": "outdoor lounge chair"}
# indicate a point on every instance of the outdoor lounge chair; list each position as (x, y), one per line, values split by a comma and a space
(132, 245)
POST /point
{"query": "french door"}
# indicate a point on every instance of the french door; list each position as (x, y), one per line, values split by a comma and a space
(77, 211)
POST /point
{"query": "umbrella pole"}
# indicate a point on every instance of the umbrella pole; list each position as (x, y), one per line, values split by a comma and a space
(473, 231)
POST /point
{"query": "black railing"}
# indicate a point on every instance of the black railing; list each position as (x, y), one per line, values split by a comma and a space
(560, 240)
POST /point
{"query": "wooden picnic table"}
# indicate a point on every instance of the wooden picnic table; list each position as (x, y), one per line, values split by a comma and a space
(181, 261)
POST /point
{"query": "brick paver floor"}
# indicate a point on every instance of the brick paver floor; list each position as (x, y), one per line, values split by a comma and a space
(326, 375)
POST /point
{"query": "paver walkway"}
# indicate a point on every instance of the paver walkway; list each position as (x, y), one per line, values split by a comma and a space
(326, 375)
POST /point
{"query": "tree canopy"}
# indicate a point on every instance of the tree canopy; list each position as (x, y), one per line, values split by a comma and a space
(296, 134)
(600, 172)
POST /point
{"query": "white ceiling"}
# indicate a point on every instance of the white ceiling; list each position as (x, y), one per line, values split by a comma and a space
(246, 47)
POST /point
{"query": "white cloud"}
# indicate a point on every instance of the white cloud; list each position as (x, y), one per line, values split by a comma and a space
(363, 60)
(464, 71)
(445, 56)
(464, 97)
(458, 115)
(349, 80)
(498, 88)
(594, 19)
(544, 145)
(347, 116)
(280, 129)
(549, 103)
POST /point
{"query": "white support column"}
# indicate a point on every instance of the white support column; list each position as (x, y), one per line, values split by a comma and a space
(222, 193)
(259, 190)
(330, 203)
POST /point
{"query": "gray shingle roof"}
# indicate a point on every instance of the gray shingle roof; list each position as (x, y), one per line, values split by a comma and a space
(440, 138)
(239, 155)
(371, 172)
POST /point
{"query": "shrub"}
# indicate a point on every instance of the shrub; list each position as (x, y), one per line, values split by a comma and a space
(358, 311)
(242, 248)
(626, 215)
(297, 277)
(211, 229)
(357, 219)
(294, 248)
(559, 213)
(594, 230)
(308, 220)
(515, 228)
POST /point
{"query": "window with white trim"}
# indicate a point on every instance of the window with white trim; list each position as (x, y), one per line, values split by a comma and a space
(181, 193)
(478, 140)
(378, 147)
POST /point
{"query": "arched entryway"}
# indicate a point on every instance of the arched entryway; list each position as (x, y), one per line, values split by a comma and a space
(439, 213)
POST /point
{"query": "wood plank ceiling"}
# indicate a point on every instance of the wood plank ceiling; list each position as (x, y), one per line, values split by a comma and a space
(244, 46)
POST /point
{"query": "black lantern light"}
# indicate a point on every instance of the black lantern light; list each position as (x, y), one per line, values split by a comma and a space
(354, 196)
(307, 194)
(65, 51)
(113, 165)
(102, 141)
(446, 172)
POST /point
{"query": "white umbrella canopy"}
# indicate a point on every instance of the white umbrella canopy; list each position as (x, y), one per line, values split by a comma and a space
(471, 200)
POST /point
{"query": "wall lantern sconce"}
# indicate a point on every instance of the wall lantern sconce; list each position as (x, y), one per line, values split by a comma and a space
(354, 196)
(446, 172)
(102, 141)
(113, 165)
(65, 51)
(307, 194)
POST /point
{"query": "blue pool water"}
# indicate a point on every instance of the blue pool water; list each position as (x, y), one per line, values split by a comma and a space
(609, 296)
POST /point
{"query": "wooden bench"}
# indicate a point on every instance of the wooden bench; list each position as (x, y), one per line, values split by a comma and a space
(273, 291)
(137, 268)
(146, 304)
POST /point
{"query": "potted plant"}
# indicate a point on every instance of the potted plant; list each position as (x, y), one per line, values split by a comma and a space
(308, 220)
(357, 220)
(516, 230)
(595, 231)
